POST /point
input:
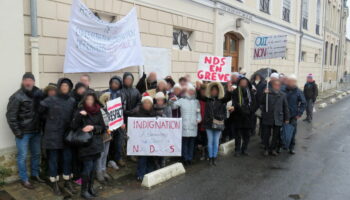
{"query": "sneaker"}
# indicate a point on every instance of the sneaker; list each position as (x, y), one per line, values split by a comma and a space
(291, 152)
(113, 165)
(274, 153)
(121, 163)
(27, 185)
(100, 177)
(78, 181)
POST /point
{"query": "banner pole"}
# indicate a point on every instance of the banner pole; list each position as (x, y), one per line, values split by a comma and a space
(267, 85)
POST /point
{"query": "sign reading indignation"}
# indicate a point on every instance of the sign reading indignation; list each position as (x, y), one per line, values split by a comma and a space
(154, 136)
(267, 47)
(214, 68)
(115, 114)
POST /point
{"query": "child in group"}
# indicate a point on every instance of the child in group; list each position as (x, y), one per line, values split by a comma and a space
(191, 116)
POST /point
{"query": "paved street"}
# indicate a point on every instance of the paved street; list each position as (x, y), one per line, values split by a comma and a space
(319, 171)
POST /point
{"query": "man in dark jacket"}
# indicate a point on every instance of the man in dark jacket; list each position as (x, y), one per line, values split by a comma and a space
(273, 116)
(296, 105)
(147, 83)
(23, 119)
(59, 111)
(244, 105)
(116, 91)
(311, 93)
(132, 95)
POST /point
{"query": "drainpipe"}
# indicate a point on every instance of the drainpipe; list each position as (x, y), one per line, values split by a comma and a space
(34, 41)
(324, 14)
(300, 37)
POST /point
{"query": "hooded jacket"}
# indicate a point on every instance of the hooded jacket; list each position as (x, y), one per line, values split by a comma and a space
(115, 93)
(59, 112)
(22, 111)
(215, 107)
(244, 102)
(95, 120)
(296, 101)
(311, 91)
(277, 112)
(132, 95)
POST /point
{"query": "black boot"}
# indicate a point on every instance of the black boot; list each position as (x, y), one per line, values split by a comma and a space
(210, 161)
(91, 185)
(85, 188)
(56, 189)
(69, 187)
(214, 161)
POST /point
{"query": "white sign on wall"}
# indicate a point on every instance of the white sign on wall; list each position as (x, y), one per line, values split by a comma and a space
(156, 60)
(94, 45)
(154, 136)
(267, 47)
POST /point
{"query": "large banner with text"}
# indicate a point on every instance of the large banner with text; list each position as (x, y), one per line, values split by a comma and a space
(267, 47)
(154, 136)
(95, 45)
(214, 68)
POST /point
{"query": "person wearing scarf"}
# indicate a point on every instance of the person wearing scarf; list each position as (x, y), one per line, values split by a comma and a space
(89, 119)
(243, 102)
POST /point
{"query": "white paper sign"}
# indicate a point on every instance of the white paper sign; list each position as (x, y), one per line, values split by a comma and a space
(97, 46)
(267, 47)
(115, 113)
(156, 60)
(154, 136)
(214, 68)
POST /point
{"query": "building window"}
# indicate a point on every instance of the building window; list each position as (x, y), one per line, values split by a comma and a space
(303, 56)
(325, 53)
(265, 6)
(286, 10)
(305, 14)
(318, 17)
(316, 58)
(335, 55)
(330, 55)
(181, 39)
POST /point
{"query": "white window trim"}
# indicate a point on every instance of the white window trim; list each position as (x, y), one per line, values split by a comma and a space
(270, 8)
(290, 11)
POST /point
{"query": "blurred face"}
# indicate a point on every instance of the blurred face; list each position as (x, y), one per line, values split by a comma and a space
(257, 78)
(243, 83)
(64, 88)
(191, 92)
(115, 85)
(162, 86)
(51, 93)
(160, 101)
(147, 105)
(291, 83)
(309, 79)
(183, 83)
(202, 91)
(85, 80)
(128, 81)
(276, 85)
(169, 86)
(214, 92)
(234, 78)
(188, 77)
(28, 84)
(81, 90)
(152, 77)
(90, 101)
(177, 91)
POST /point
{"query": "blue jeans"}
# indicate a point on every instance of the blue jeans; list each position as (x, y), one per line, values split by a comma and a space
(213, 142)
(143, 166)
(62, 158)
(89, 167)
(188, 148)
(33, 140)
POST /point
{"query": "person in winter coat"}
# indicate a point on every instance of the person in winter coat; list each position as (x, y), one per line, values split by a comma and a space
(144, 163)
(161, 106)
(23, 118)
(176, 92)
(202, 139)
(59, 111)
(191, 116)
(88, 118)
(215, 114)
(310, 93)
(161, 87)
(147, 83)
(50, 90)
(79, 92)
(296, 105)
(116, 90)
(243, 102)
(132, 95)
(101, 172)
(273, 116)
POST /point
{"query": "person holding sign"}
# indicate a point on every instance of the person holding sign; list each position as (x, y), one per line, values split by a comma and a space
(191, 116)
(89, 119)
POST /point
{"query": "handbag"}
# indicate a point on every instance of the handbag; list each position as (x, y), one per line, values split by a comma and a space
(79, 138)
(217, 124)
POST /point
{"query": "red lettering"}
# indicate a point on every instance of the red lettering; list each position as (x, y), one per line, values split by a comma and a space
(151, 149)
(260, 52)
(213, 76)
(207, 76)
(221, 76)
(200, 74)
(207, 60)
(223, 61)
(172, 149)
(135, 148)
(227, 77)
(212, 68)
(216, 60)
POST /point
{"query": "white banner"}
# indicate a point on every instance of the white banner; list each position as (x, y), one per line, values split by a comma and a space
(154, 136)
(115, 114)
(156, 60)
(97, 46)
(214, 68)
(267, 47)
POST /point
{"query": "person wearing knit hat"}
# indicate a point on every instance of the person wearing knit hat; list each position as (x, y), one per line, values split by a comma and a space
(50, 90)
(274, 76)
(147, 99)
(28, 75)
(310, 93)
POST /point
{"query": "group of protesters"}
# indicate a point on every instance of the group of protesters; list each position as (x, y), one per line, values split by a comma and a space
(211, 112)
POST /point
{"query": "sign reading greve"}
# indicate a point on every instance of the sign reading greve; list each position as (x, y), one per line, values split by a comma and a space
(214, 68)
(154, 136)
(115, 114)
(267, 47)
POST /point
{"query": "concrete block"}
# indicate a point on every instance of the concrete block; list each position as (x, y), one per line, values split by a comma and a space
(48, 46)
(339, 97)
(344, 94)
(53, 63)
(47, 9)
(227, 147)
(63, 11)
(149, 14)
(322, 105)
(149, 40)
(333, 100)
(53, 28)
(163, 174)
(165, 17)
(165, 42)
(178, 67)
(348, 91)
(156, 28)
